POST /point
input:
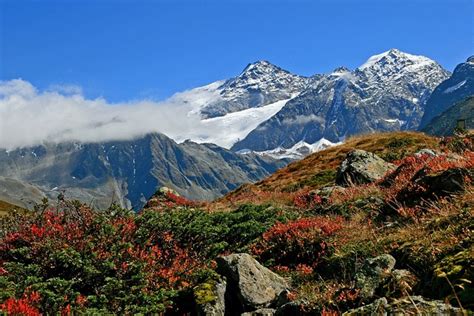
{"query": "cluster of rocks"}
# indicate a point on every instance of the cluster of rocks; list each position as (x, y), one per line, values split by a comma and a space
(246, 288)
(377, 277)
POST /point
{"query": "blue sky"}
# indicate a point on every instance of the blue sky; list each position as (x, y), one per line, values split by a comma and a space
(128, 50)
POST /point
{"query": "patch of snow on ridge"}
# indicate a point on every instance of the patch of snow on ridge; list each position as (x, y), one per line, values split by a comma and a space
(297, 151)
(400, 122)
(198, 98)
(232, 127)
(455, 87)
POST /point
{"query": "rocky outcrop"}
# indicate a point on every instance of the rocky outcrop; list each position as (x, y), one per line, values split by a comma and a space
(250, 286)
(413, 305)
(260, 312)
(373, 273)
(436, 185)
(361, 167)
(210, 298)
(445, 123)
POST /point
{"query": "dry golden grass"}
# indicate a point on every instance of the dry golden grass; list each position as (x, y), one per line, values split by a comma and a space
(6, 208)
(390, 146)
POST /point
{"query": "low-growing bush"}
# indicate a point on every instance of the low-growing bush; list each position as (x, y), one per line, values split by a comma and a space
(297, 243)
(214, 233)
(74, 259)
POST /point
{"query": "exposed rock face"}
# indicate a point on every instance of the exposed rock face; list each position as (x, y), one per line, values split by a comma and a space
(259, 84)
(445, 123)
(454, 89)
(255, 286)
(445, 183)
(378, 307)
(436, 185)
(361, 167)
(373, 273)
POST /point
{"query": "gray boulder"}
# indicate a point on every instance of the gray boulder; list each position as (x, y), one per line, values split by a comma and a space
(413, 305)
(373, 273)
(260, 312)
(362, 167)
(210, 298)
(378, 307)
(253, 285)
(436, 185)
(327, 191)
(406, 306)
(427, 151)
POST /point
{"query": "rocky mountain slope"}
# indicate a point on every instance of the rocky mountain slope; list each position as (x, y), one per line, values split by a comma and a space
(387, 93)
(128, 172)
(445, 123)
(260, 83)
(453, 90)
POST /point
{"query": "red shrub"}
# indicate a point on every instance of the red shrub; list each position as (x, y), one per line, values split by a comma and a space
(24, 306)
(154, 259)
(177, 200)
(300, 243)
(402, 177)
(306, 200)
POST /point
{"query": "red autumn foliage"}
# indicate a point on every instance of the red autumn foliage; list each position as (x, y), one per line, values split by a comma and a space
(25, 306)
(298, 244)
(95, 238)
(176, 200)
(402, 177)
(306, 200)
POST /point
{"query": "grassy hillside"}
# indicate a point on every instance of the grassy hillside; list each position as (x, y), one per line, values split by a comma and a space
(6, 208)
(319, 169)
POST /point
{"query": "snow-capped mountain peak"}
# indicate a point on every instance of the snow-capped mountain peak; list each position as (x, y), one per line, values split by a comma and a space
(395, 57)
(259, 84)
(259, 68)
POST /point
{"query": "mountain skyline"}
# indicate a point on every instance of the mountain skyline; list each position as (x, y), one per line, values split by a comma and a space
(59, 115)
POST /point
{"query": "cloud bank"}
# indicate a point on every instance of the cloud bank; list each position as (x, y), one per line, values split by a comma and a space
(31, 117)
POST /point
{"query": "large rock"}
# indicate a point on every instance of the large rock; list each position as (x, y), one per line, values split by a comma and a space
(373, 273)
(210, 298)
(361, 167)
(378, 307)
(436, 185)
(413, 305)
(446, 182)
(253, 285)
(260, 312)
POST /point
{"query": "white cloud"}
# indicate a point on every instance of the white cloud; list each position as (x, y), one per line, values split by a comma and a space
(66, 89)
(61, 113)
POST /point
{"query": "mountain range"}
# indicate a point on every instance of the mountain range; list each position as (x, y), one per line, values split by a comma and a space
(126, 172)
(260, 119)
